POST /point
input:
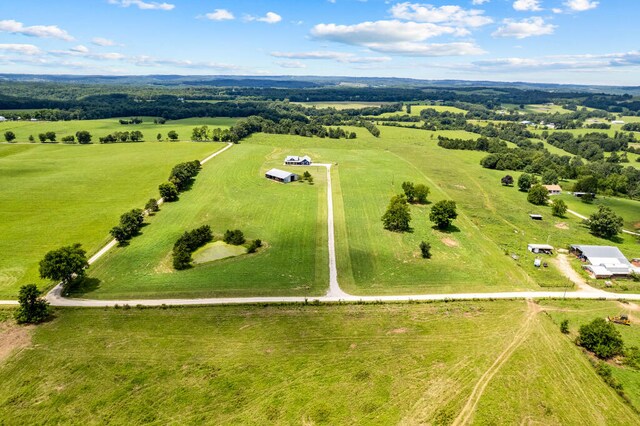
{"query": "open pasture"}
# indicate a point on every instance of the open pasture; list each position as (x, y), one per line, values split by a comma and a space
(475, 255)
(582, 312)
(55, 195)
(100, 128)
(231, 192)
(372, 364)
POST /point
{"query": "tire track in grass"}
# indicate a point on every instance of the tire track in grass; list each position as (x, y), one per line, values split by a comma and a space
(464, 417)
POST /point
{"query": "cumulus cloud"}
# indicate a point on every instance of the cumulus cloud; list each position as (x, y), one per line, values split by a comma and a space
(143, 5)
(447, 15)
(379, 32)
(531, 27)
(104, 42)
(25, 49)
(343, 57)
(396, 37)
(527, 5)
(581, 5)
(43, 31)
(269, 18)
(220, 15)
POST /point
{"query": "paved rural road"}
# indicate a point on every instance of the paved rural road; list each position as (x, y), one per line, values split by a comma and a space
(335, 293)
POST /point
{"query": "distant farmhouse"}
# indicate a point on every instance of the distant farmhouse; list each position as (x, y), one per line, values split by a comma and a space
(281, 176)
(553, 189)
(293, 160)
(604, 261)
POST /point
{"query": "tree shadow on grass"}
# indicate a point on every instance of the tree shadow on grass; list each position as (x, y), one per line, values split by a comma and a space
(451, 229)
(83, 286)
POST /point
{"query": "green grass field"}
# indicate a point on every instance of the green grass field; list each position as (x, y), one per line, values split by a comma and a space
(340, 105)
(371, 364)
(229, 193)
(628, 209)
(61, 194)
(581, 312)
(476, 256)
(99, 128)
(416, 109)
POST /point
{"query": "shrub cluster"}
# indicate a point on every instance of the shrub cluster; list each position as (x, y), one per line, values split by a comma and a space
(255, 245)
(189, 242)
(134, 120)
(235, 237)
(130, 224)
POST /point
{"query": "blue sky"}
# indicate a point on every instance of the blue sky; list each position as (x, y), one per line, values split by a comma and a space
(562, 41)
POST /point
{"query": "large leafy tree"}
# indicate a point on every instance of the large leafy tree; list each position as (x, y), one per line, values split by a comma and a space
(605, 223)
(168, 191)
(83, 136)
(443, 213)
(601, 338)
(525, 181)
(64, 264)
(559, 208)
(9, 136)
(33, 309)
(538, 195)
(421, 192)
(397, 217)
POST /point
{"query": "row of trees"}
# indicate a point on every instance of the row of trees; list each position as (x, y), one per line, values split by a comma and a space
(82, 136)
(130, 224)
(115, 137)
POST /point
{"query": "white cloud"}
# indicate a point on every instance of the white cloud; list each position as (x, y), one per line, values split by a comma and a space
(561, 62)
(527, 5)
(43, 31)
(342, 57)
(447, 15)
(290, 64)
(220, 15)
(428, 49)
(396, 37)
(25, 49)
(479, 2)
(269, 18)
(531, 27)
(556, 10)
(143, 5)
(99, 41)
(80, 49)
(581, 5)
(379, 32)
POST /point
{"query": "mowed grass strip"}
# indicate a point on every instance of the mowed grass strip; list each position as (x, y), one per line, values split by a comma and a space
(99, 128)
(230, 192)
(55, 195)
(580, 312)
(368, 364)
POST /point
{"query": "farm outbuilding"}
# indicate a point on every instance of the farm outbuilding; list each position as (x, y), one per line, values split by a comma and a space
(281, 176)
(601, 258)
(553, 189)
(293, 160)
(540, 248)
(536, 216)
